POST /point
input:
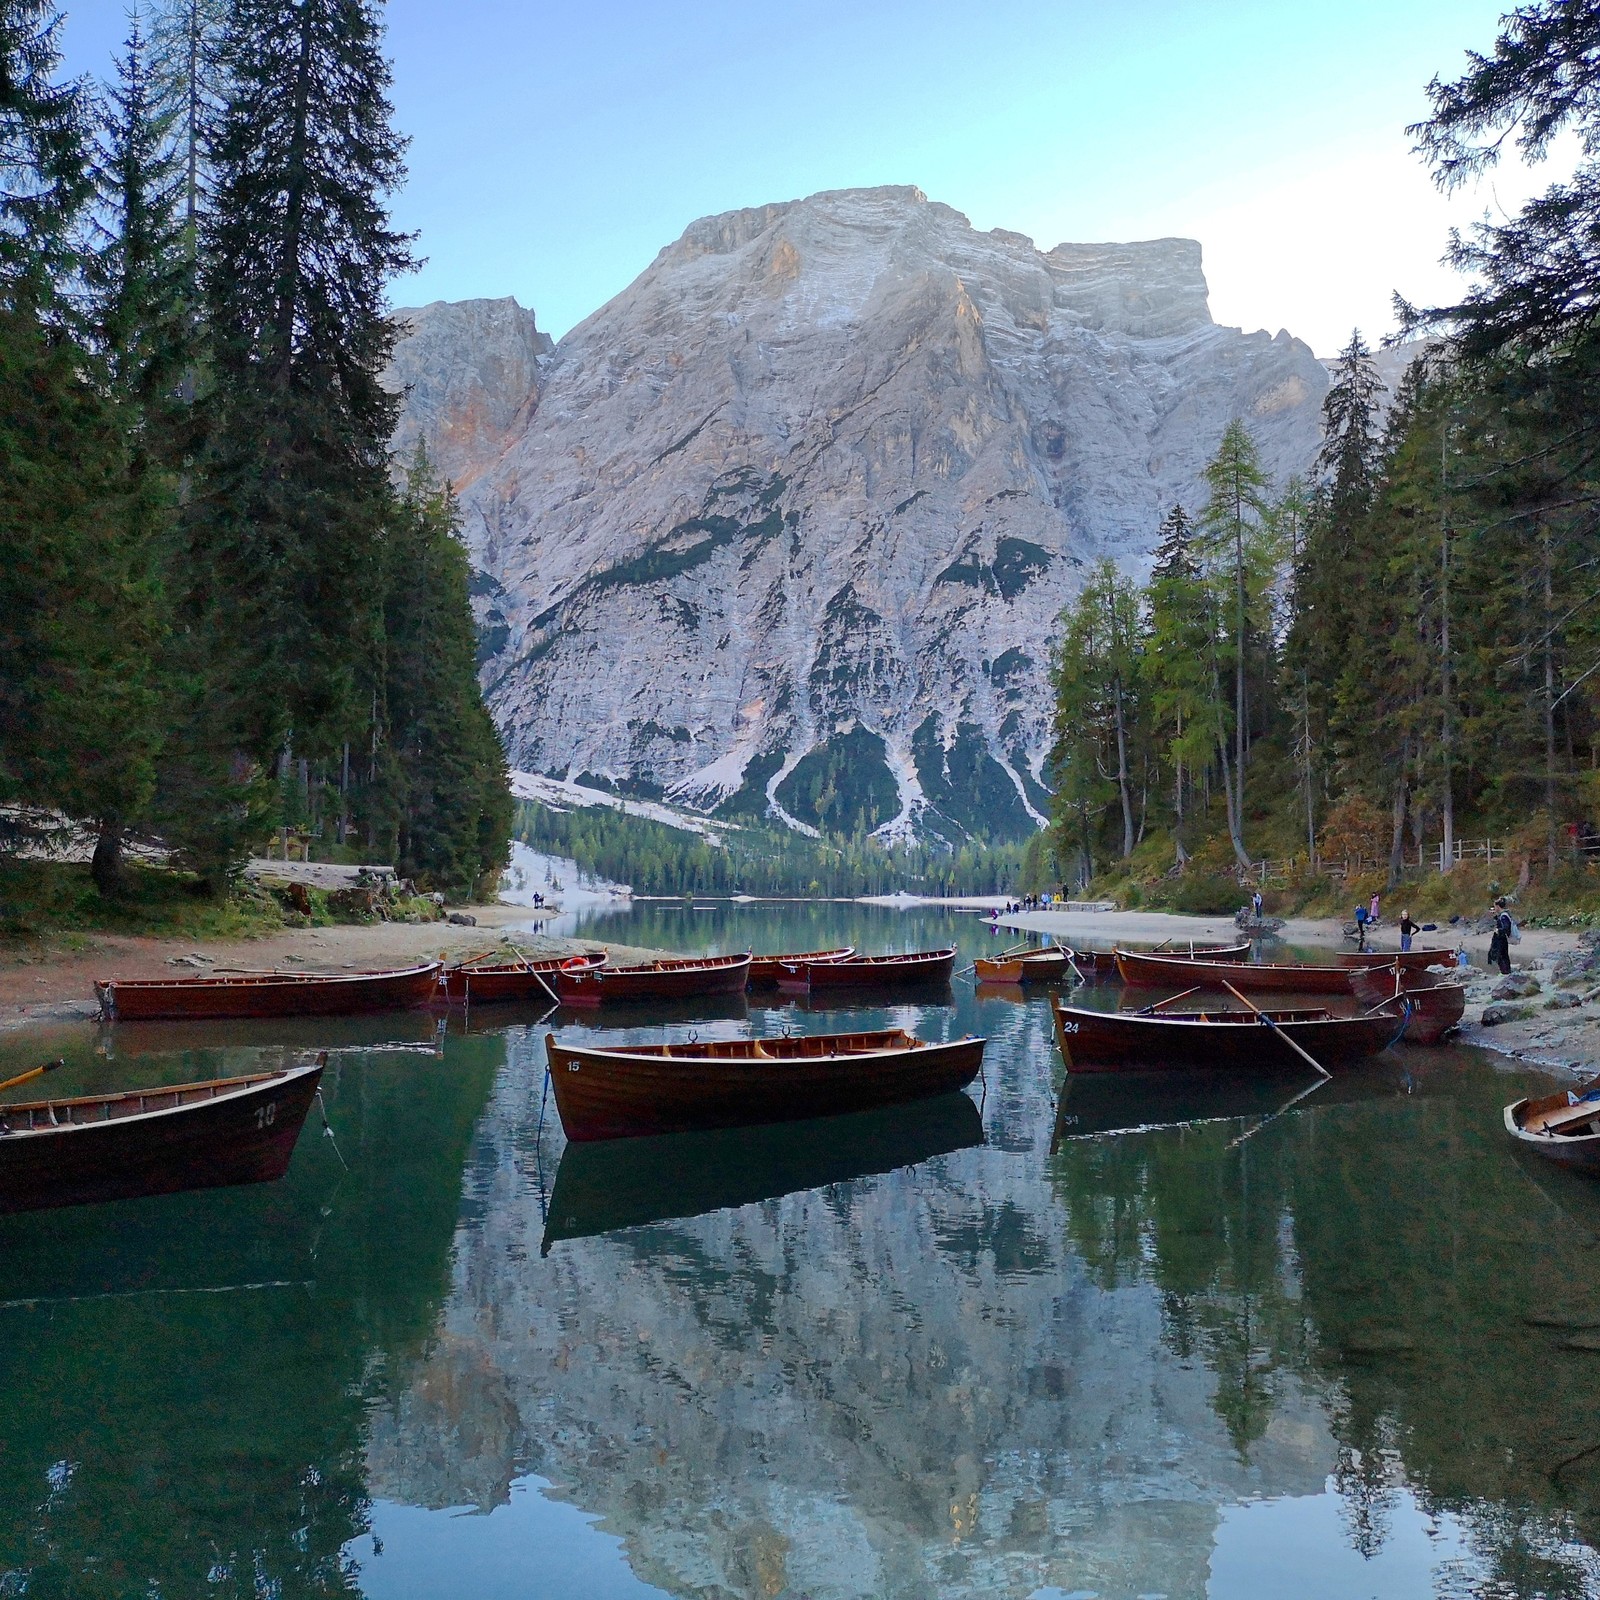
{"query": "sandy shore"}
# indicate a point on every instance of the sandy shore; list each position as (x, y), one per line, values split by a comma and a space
(59, 985)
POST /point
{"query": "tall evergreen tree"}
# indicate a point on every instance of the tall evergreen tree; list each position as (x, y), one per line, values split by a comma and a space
(298, 252)
(44, 178)
(449, 797)
(1240, 558)
(1180, 692)
(1096, 679)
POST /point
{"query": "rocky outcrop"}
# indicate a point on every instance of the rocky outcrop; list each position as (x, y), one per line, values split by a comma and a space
(468, 374)
(784, 527)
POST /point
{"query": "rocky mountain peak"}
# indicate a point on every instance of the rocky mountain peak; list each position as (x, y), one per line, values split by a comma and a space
(784, 527)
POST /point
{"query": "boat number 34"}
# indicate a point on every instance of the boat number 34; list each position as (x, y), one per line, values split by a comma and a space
(266, 1115)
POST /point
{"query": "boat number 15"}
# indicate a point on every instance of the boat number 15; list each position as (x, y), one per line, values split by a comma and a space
(267, 1114)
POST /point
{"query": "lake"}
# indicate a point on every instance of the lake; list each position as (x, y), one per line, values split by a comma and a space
(988, 1346)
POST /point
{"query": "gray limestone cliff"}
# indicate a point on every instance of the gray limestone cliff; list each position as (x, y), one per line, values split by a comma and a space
(784, 527)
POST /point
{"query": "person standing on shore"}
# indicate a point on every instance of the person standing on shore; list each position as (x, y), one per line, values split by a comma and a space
(1407, 928)
(1500, 939)
(1372, 910)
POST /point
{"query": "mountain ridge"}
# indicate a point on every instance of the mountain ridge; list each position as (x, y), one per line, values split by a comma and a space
(784, 527)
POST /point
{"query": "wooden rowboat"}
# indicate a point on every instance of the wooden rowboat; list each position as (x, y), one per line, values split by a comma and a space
(675, 979)
(1563, 1127)
(484, 983)
(1101, 965)
(924, 967)
(1146, 970)
(765, 970)
(631, 1091)
(1438, 999)
(152, 1141)
(1218, 1041)
(267, 994)
(629, 1183)
(1030, 966)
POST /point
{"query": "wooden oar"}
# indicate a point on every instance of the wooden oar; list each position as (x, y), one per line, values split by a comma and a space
(1298, 1049)
(31, 1073)
(1145, 1011)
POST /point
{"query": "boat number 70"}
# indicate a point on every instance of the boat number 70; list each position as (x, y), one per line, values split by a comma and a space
(267, 1114)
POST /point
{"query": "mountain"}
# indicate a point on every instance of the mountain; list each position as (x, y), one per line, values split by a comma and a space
(784, 527)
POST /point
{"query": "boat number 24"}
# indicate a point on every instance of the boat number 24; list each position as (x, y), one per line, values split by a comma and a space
(267, 1114)
(1068, 1027)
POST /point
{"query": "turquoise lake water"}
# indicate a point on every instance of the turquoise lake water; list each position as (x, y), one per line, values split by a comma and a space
(1015, 1343)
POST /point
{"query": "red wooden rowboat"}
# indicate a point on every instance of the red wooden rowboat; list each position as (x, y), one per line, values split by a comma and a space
(1149, 970)
(484, 983)
(1028, 966)
(1562, 1127)
(870, 972)
(1095, 965)
(1218, 1041)
(674, 979)
(1437, 999)
(152, 1141)
(627, 1092)
(267, 994)
(765, 970)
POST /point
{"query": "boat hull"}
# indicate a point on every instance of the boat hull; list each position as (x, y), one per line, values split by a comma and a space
(665, 980)
(617, 1095)
(1042, 966)
(244, 1132)
(1101, 965)
(1437, 1004)
(1579, 1151)
(1124, 1041)
(533, 981)
(267, 995)
(922, 970)
(1139, 971)
(766, 970)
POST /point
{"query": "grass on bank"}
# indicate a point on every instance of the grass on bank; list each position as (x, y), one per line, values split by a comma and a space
(1275, 831)
(56, 903)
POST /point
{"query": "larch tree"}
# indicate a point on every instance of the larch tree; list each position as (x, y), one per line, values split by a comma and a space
(1240, 559)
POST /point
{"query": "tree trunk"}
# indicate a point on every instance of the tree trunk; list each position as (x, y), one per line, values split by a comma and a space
(1447, 798)
(1122, 774)
(1397, 838)
(1549, 714)
(106, 866)
(1238, 688)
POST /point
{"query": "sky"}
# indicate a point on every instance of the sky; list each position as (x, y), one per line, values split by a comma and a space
(555, 148)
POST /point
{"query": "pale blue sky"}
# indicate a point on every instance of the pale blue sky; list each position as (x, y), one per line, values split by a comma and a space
(557, 147)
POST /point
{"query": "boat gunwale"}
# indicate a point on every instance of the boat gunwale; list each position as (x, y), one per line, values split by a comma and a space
(236, 1088)
(907, 1043)
(252, 980)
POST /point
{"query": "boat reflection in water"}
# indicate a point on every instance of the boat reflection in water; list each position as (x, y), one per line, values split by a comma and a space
(602, 1187)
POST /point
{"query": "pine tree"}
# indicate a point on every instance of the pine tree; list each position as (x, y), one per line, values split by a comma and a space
(449, 791)
(44, 176)
(298, 252)
(1241, 559)
(186, 61)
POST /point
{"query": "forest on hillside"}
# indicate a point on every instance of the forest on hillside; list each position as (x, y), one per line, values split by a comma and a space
(1402, 651)
(223, 610)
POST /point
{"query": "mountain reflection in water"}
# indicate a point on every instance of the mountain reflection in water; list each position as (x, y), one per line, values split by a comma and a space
(1345, 1348)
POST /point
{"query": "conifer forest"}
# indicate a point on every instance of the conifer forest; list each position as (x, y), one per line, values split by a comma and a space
(1403, 650)
(223, 610)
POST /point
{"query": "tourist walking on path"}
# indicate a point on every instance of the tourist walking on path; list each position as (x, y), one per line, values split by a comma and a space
(1407, 928)
(1500, 939)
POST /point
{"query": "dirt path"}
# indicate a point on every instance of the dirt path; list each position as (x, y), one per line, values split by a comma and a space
(58, 985)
